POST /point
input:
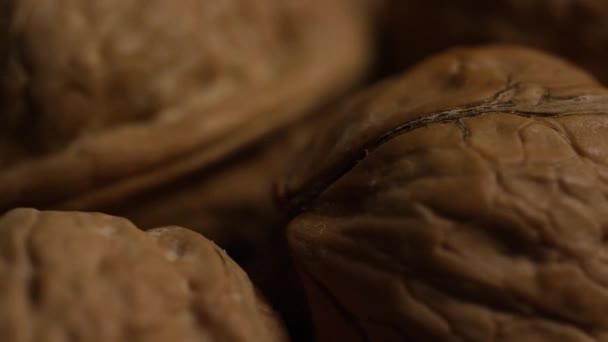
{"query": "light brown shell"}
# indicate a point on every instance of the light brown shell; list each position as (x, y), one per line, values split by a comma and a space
(73, 276)
(465, 200)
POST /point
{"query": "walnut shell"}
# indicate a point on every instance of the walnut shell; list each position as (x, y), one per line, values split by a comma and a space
(233, 205)
(465, 200)
(576, 29)
(103, 100)
(73, 276)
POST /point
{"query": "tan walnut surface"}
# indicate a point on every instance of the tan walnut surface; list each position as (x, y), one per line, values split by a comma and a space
(465, 200)
(74, 276)
(576, 29)
(102, 100)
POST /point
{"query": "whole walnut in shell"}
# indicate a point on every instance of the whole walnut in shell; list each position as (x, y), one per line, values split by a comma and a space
(101, 100)
(233, 205)
(576, 29)
(73, 276)
(465, 200)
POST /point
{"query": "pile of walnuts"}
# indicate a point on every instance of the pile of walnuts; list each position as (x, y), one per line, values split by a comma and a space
(346, 170)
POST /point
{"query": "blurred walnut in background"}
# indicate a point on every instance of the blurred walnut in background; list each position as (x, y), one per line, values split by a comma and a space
(102, 100)
(76, 67)
(465, 200)
(575, 29)
(73, 276)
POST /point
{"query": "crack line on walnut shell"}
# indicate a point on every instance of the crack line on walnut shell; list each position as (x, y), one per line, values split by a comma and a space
(302, 201)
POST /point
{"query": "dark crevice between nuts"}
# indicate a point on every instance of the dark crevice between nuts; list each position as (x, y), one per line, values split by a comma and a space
(360, 331)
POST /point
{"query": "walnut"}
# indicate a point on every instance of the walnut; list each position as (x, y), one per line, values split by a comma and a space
(233, 205)
(73, 276)
(102, 100)
(576, 29)
(465, 200)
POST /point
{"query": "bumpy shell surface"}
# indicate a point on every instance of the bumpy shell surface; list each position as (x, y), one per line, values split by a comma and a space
(466, 200)
(103, 99)
(576, 29)
(73, 276)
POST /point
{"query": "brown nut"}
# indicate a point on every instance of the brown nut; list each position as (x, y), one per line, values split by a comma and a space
(232, 204)
(576, 29)
(466, 200)
(102, 100)
(72, 276)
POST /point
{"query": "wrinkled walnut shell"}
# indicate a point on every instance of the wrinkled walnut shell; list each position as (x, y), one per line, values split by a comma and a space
(71, 276)
(466, 200)
(137, 93)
